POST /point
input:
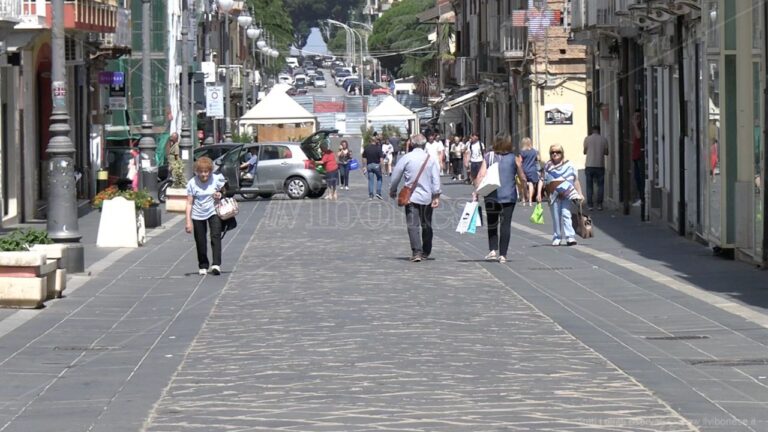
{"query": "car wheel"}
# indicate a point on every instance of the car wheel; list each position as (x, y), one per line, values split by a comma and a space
(248, 196)
(296, 188)
(266, 195)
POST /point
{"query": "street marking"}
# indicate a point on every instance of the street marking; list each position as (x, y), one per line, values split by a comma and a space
(666, 280)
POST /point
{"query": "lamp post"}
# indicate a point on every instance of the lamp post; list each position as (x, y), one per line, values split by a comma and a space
(185, 144)
(354, 32)
(147, 145)
(244, 20)
(253, 34)
(225, 6)
(62, 223)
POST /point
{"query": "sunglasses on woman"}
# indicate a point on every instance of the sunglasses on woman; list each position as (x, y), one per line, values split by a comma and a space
(555, 152)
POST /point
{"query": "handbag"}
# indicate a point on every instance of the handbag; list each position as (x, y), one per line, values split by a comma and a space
(492, 179)
(227, 208)
(353, 164)
(404, 197)
(582, 223)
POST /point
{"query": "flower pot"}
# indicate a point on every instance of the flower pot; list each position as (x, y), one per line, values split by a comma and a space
(176, 200)
(152, 216)
(27, 279)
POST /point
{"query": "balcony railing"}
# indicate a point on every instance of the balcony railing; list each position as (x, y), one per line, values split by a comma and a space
(514, 41)
(10, 10)
(589, 14)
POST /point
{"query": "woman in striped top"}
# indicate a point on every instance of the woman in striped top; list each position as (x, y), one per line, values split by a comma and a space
(562, 185)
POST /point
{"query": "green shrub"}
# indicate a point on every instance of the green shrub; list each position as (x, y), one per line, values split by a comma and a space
(21, 240)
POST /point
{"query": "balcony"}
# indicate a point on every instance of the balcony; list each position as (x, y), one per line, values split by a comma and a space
(590, 14)
(98, 16)
(514, 41)
(465, 70)
(10, 11)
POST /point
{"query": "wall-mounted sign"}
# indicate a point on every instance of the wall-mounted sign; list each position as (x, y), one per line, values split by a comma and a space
(561, 114)
(209, 71)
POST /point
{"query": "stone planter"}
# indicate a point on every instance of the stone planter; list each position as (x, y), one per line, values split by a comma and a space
(27, 279)
(119, 225)
(176, 200)
(61, 254)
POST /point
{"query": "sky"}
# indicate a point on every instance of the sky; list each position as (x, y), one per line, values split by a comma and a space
(315, 43)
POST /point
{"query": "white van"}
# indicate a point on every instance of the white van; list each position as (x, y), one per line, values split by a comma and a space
(292, 62)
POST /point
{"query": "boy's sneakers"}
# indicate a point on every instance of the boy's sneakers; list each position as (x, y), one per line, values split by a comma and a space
(202, 272)
(215, 270)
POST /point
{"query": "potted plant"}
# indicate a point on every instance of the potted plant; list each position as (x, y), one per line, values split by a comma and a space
(176, 194)
(30, 270)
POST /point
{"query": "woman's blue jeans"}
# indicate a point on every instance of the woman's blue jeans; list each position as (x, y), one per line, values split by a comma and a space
(561, 219)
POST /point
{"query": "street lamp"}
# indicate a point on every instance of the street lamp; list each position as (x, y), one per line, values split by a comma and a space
(253, 34)
(62, 223)
(354, 32)
(225, 6)
(147, 145)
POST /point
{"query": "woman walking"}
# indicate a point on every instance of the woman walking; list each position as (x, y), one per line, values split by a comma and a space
(500, 204)
(563, 187)
(530, 164)
(328, 162)
(344, 156)
(456, 152)
(203, 190)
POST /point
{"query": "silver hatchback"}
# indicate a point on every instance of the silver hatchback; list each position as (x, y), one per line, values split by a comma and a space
(282, 168)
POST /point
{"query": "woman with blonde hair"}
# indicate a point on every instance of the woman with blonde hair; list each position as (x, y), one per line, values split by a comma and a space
(562, 185)
(530, 163)
(203, 190)
(500, 204)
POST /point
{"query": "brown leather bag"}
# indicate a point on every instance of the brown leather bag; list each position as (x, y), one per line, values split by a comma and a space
(404, 197)
(582, 223)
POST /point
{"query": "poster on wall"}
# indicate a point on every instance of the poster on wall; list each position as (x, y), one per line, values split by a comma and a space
(561, 114)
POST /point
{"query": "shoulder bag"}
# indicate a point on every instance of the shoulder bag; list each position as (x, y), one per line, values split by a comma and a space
(404, 197)
(492, 179)
(227, 208)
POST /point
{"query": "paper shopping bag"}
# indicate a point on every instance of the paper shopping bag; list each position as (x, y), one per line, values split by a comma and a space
(465, 219)
(474, 222)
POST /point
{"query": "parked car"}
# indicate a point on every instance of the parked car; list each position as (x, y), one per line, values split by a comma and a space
(340, 76)
(380, 91)
(319, 81)
(300, 81)
(284, 167)
(285, 78)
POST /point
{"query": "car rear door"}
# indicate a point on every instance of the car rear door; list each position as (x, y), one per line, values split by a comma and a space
(230, 167)
(274, 167)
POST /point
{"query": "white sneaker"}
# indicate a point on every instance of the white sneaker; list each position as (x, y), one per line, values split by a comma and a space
(202, 272)
(556, 242)
(502, 259)
(637, 203)
(491, 256)
(215, 270)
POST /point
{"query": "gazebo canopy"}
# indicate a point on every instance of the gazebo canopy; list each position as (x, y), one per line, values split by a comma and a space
(391, 110)
(277, 108)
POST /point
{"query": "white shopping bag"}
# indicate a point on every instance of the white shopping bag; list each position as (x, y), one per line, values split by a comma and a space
(467, 217)
(491, 181)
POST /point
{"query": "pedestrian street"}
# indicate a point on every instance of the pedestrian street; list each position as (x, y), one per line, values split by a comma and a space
(326, 326)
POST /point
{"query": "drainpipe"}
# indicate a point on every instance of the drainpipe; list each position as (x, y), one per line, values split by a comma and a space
(681, 204)
(764, 181)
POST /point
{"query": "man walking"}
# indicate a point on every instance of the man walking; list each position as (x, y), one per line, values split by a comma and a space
(476, 151)
(596, 149)
(435, 148)
(373, 157)
(425, 196)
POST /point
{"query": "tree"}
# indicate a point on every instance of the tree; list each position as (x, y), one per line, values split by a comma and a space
(273, 17)
(401, 41)
(308, 13)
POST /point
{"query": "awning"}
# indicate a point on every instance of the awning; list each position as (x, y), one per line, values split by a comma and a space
(464, 99)
(17, 40)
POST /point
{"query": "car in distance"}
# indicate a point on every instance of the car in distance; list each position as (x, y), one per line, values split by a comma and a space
(283, 167)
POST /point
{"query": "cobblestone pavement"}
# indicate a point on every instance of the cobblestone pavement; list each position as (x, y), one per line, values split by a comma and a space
(325, 326)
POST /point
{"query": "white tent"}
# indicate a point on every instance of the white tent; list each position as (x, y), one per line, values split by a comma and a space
(278, 117)
(392, 112)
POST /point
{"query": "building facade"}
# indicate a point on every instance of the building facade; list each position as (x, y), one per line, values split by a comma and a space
(677, 63)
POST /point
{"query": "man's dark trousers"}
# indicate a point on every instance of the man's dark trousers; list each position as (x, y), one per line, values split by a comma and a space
(595, 174)
(418, 218)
